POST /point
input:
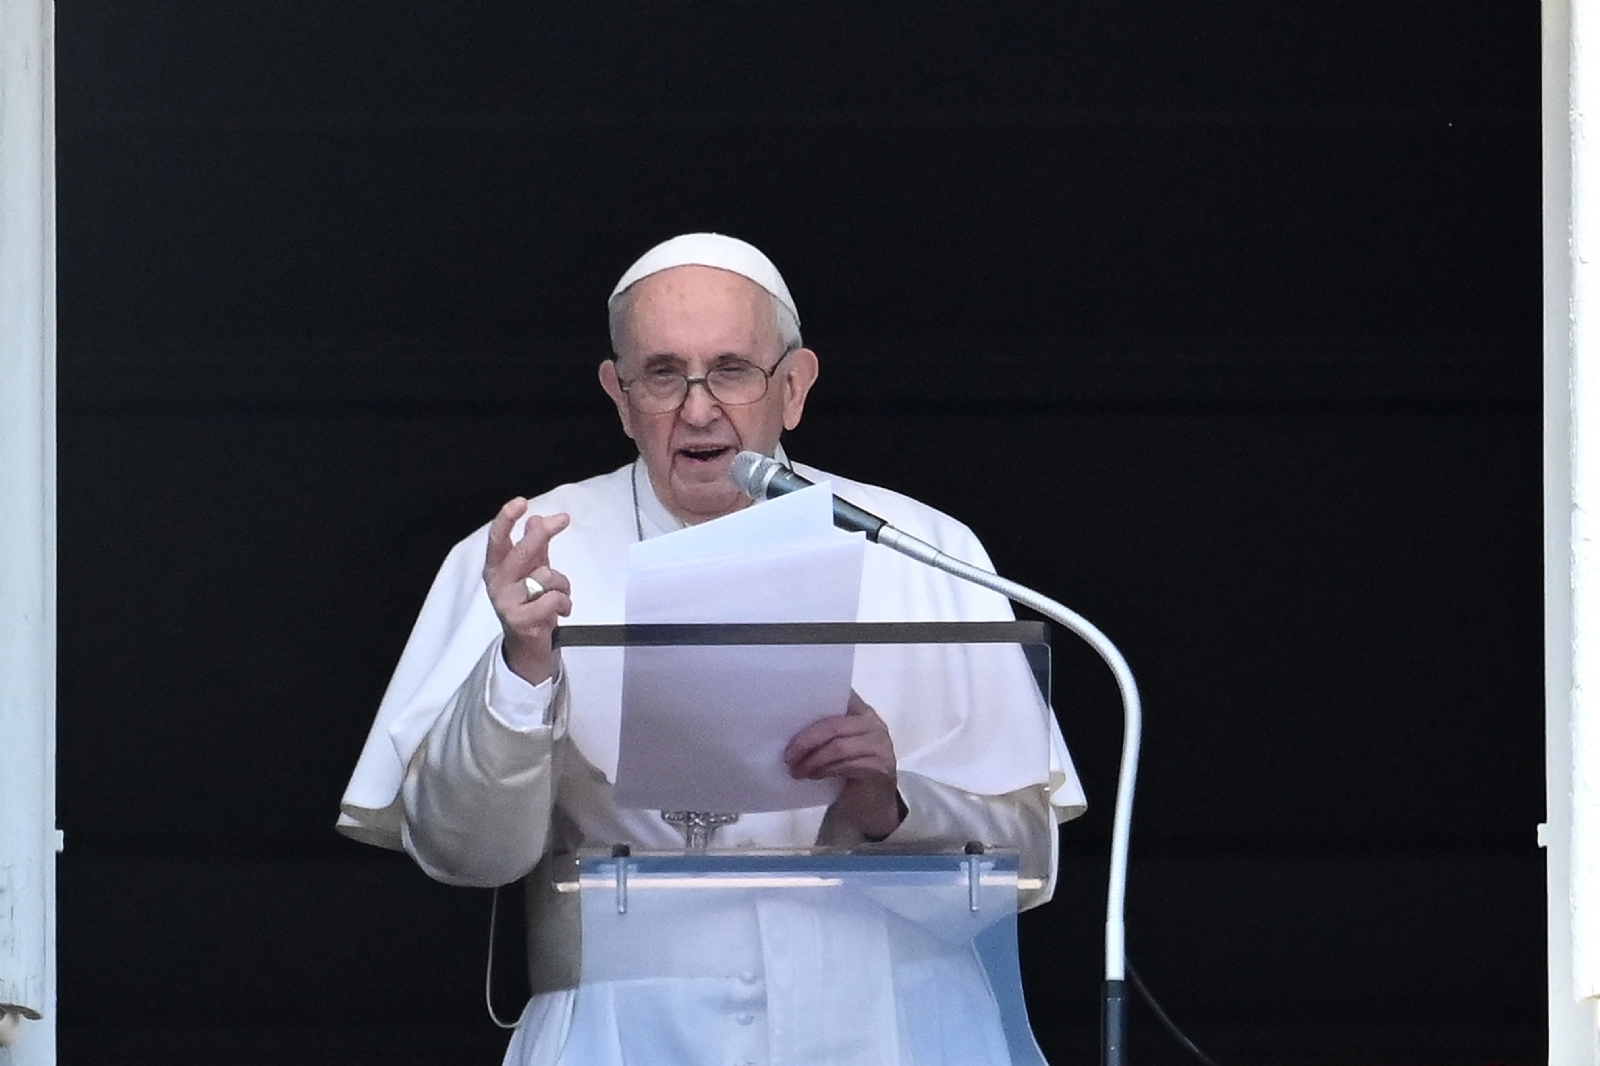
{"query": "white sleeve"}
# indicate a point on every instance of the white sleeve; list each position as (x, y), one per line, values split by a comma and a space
(941, 817)
(515, 701)
(478, 794)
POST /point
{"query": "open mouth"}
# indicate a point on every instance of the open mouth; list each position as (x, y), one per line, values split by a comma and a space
(706, 454)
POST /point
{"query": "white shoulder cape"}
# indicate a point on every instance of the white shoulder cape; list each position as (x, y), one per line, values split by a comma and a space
(986, 742)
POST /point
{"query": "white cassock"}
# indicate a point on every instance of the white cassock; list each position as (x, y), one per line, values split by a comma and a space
(483, 779)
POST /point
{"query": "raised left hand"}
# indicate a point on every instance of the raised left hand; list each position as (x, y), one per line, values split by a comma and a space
(856, 747)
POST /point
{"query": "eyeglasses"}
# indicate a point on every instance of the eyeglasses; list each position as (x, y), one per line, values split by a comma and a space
(662, 390)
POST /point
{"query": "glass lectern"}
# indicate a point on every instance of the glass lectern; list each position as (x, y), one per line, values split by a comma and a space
(869, 953)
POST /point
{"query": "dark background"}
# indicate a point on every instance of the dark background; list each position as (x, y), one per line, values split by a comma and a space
(1218, 322)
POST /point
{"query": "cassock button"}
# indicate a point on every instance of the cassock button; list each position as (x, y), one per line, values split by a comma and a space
(745, 1018)
(748, 977)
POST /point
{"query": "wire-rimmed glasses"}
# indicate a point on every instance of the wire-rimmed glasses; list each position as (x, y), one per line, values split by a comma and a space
(733, 384)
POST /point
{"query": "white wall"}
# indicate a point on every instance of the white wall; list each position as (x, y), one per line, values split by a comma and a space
(27, 523)
(1571, 47)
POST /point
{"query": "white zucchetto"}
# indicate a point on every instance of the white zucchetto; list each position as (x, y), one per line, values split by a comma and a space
(712, 250)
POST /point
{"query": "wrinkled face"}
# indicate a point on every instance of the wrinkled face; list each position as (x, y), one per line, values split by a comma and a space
(694, 319)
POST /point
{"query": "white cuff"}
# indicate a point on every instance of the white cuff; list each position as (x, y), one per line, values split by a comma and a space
(517, 703)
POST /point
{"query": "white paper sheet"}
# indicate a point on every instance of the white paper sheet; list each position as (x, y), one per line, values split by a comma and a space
(704, 728)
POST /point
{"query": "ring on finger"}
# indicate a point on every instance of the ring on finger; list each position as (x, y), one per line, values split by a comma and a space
(533, 588)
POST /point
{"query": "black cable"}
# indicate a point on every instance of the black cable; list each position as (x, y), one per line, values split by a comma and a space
(1161, 1015)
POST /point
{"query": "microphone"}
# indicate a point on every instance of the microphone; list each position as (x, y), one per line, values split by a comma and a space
(761, 478)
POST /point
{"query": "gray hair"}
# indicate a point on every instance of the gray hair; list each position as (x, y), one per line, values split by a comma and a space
(788, 324)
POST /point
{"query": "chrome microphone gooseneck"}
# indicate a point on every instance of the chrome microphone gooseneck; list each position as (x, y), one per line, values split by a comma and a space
(760, 477)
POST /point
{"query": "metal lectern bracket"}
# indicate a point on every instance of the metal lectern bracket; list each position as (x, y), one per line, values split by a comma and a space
(973, 850)
(620, 852)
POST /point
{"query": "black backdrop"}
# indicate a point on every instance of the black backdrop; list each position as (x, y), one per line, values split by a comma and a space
(1218, 322)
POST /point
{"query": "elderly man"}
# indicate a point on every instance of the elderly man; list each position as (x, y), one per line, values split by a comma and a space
(487, 762)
